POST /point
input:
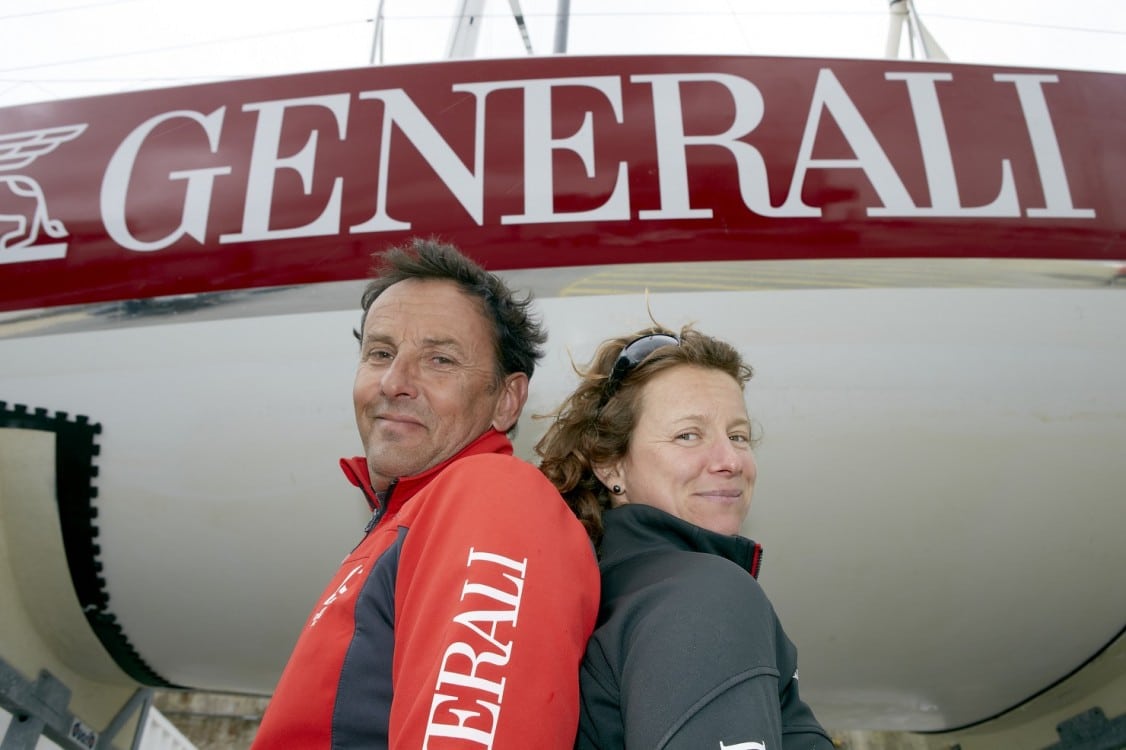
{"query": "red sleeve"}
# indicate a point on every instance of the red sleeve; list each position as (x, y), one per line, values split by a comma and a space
(496, 595)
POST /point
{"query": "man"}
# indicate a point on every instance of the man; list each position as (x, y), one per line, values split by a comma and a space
(460, 619)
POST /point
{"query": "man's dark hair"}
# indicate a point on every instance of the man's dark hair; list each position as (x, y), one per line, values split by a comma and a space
(518, 337)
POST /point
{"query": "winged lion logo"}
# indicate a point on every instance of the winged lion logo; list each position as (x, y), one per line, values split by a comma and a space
(23, 209)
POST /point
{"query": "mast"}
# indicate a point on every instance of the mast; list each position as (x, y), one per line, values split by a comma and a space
(903, 12)
(562, 23)
(518, 14)
(465, 30)
(377, 37)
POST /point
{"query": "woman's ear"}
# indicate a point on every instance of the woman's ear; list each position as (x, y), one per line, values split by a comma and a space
(606, 474)
(611, 477)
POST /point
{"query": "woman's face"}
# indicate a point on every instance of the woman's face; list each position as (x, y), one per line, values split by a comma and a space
(690, 453)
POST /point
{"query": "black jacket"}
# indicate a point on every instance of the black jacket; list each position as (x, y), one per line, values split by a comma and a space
(688, 653)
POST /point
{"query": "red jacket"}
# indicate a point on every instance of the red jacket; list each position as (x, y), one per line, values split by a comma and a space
(459, 621)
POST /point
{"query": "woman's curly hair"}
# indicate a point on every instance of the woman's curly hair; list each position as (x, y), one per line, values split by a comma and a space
(592, 427)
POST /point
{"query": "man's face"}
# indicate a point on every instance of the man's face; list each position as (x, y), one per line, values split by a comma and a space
(426, 385)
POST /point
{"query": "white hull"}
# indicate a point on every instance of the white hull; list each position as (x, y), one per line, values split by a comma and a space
(940, 492)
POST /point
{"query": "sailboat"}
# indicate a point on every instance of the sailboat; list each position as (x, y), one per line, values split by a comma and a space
(923, 259)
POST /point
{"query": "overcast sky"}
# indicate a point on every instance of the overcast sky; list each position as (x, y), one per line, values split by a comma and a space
(52, 49)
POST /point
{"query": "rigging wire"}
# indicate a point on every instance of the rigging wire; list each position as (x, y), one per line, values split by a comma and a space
(382, 18)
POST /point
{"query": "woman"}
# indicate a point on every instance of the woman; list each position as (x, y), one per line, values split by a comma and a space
(653, 453)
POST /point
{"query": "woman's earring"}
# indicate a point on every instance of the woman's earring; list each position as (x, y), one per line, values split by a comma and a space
(616, 489)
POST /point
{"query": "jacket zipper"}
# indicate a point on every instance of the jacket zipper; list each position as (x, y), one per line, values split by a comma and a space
(380, 507)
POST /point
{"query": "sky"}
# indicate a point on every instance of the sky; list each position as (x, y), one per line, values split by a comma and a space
(51, 49)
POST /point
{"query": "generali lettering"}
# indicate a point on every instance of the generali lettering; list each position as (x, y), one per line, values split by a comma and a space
(464, 178)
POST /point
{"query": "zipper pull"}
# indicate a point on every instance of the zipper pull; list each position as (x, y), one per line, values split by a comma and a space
(380, 503)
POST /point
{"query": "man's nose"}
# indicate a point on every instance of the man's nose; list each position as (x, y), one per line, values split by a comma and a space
(400, 378)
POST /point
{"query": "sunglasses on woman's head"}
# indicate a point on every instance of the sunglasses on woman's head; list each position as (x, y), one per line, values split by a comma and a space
(633, 354)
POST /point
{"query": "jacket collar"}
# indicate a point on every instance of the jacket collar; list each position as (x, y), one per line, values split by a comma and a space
(404, 488)
(634, 528)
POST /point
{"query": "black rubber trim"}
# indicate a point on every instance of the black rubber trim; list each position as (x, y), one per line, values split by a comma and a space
(1121, 633)
(75, 450)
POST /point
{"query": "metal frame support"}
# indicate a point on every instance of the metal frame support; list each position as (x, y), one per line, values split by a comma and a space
(1091, 730)
(39, 709)
(142, 700)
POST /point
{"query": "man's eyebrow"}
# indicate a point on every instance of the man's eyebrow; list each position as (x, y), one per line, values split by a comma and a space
(445, 342)
(449, 342)
(375, 337)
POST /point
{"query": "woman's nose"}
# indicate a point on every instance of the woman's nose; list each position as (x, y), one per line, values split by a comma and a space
(726, 456)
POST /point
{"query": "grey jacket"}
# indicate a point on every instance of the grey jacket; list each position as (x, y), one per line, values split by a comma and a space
(688, 653)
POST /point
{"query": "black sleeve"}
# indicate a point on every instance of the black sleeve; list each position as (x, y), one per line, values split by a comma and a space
(702, 664)
(800, 729)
